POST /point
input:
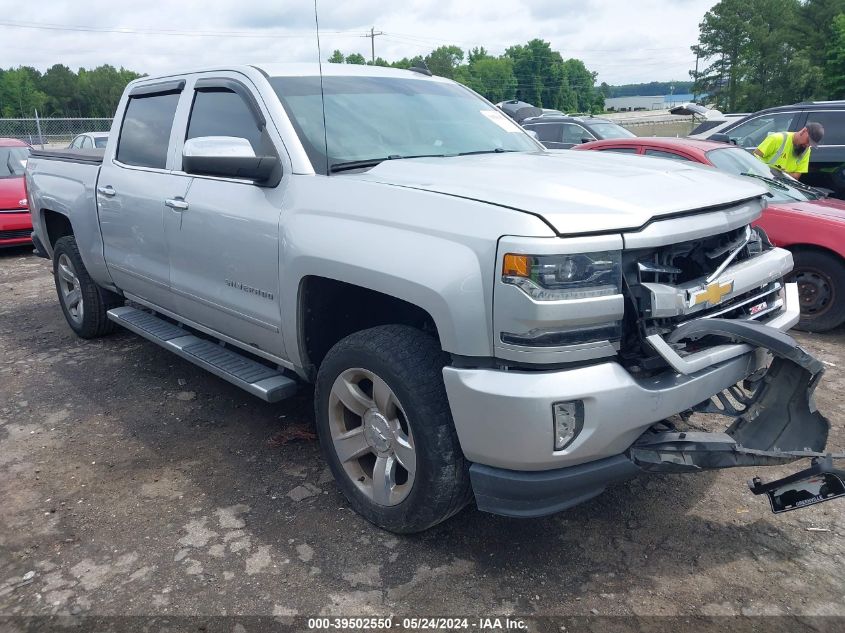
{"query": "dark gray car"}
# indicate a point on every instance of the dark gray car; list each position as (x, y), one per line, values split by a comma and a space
(567, 131)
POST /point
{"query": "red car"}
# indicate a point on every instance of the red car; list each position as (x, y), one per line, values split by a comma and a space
(15, 222)
(798, 218)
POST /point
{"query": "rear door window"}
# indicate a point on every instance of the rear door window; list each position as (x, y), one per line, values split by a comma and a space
(834, 126)
(575, 134)
(754, 131)
(662, 154)
(145, 134)
(546, 132)
(619, 150)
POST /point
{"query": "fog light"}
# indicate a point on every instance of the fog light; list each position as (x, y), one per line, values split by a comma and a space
(569, 420)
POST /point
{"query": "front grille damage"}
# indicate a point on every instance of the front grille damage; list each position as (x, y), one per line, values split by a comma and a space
(775, 418)
(683, 263)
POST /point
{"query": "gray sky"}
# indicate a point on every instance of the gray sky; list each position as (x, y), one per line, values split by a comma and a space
(624, 41)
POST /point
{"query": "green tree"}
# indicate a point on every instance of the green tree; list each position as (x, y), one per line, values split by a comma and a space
(491, 77)
(60, 85)
(835, 66)
(444, 60)
(100, 89)
(356, 58)
(815, 28)
(336, 57)
(756, 56)
(19, 93)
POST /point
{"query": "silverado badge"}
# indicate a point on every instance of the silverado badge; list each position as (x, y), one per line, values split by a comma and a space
(711, 294)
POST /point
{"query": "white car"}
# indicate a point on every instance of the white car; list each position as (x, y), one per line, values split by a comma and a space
(90, 140)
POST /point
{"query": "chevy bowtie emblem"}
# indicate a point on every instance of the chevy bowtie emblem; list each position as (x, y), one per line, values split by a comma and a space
(710, 294)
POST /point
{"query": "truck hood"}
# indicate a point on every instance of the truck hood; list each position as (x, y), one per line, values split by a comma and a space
(574, 192)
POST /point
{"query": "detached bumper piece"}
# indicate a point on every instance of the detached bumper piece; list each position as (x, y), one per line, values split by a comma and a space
(776, 421)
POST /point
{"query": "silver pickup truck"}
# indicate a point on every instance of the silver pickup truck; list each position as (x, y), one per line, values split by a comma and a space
(480, 316)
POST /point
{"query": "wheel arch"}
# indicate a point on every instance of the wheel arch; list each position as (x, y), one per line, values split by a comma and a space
(329, 309)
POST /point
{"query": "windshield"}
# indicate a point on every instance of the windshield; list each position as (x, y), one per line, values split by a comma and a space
(373, 118)
(100, 141)
(737, 161)
(13, 161)
(610, 130)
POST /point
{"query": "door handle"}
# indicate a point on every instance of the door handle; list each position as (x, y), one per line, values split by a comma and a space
(108, 190)
(177, 204)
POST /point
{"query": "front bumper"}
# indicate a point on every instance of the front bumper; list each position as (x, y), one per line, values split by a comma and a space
(776, 422)
(504, 418)
(15, 228)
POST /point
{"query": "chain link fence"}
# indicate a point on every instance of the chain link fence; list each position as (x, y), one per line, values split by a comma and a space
(50, 132)
(59, 132)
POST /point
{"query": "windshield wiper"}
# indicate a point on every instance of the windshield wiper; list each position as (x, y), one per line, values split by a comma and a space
(770, 181)
(800, 186)
(372, 162)
(496, 150)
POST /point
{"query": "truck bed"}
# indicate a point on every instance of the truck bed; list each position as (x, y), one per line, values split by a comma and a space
(90, 156)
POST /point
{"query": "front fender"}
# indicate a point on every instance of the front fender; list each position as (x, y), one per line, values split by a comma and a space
(434, 251)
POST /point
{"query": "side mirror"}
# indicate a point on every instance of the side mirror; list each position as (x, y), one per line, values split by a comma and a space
(587, 139)
(228, 157)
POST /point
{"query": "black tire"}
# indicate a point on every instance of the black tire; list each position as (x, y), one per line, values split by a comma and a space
(411, 363)
(821, 287)
(96, 301)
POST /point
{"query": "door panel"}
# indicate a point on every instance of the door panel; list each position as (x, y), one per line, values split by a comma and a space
(224, 260)
(224, 241)
(131, 190)
(132, 223)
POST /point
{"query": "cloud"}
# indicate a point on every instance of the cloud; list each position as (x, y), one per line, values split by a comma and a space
(624, 42)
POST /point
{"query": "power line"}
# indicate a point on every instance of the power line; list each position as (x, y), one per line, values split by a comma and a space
(133, 31)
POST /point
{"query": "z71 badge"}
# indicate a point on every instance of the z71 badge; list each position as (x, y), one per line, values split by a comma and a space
(711, 294)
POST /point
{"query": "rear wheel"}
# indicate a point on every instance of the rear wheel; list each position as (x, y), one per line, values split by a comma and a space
(821, 289)
(386, 429)
(83, 302)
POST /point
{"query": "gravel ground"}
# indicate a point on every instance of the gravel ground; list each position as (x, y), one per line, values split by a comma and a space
(132, 482)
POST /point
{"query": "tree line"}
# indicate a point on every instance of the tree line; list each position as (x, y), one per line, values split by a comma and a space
(61, 92)
(531, 72)
(650, 89)
(755, 54)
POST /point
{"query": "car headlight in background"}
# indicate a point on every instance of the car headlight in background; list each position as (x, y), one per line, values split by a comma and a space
(560, 277)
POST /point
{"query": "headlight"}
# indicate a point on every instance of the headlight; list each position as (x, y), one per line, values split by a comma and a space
(558, 277)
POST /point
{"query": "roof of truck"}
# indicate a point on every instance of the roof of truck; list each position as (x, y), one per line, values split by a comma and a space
(301, 69)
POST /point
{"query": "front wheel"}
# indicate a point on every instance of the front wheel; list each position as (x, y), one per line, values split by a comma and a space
(821, 289)
(83, 302)
(385, 427)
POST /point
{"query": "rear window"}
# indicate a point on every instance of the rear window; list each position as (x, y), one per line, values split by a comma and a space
(145, 135)
(13, 161)
(704, 126)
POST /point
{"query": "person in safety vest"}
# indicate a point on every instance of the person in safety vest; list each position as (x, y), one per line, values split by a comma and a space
(790, 151)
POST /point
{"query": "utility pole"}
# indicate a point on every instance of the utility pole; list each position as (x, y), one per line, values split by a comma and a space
(695, 77)
(372, 35)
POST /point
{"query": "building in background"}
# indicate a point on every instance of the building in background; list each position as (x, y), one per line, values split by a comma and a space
(654, 102)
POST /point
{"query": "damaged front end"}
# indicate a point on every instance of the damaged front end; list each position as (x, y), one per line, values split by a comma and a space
(775, 421)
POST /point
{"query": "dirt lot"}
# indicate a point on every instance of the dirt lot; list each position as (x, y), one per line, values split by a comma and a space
(132, 482)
